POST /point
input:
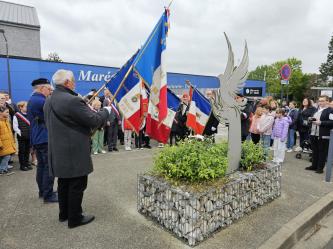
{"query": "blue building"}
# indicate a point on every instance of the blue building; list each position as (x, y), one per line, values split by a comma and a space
(23, 71)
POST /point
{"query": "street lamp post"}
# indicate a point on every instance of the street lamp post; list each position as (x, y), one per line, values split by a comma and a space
(8, 66)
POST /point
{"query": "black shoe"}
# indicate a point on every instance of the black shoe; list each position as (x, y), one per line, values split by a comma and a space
(319, 171)
(115, 149)
(147, 146)
(24, 168)
(29, 167)
(86, 219)
(310, 168)
(62, 219)
(52, 199)
(110, 150)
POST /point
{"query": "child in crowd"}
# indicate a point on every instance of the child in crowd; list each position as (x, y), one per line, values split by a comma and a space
(265, 128)
(7, 143)
(127, 129)
(254, 128)
(21, 126)
(279, 135)
(98, 137)
(293, 114)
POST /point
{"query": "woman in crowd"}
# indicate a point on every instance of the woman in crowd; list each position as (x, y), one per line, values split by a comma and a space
(98, 137)
(302, 124)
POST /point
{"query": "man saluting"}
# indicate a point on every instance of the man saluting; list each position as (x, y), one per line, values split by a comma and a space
(70, 122)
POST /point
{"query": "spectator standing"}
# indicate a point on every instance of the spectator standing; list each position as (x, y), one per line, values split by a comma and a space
(179, 130)
(112, 124)
(7, 144)
(303, 126)
(246, 110)
(98, 137)
(279, 135)
(265, 128)
(254, 128)
(322, 123)
(70, 122)
(293, 114)
(39, 138)
(21, 126)
(127, 134)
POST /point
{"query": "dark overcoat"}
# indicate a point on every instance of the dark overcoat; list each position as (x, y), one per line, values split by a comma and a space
(70, 121)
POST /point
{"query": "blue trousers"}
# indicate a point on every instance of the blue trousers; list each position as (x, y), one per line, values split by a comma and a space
(291, 139)
(44, 180)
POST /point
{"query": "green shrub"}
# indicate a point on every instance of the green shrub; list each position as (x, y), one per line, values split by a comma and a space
(192, 161)
(252, 156)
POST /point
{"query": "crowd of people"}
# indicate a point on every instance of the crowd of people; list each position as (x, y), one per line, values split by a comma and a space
(58, 131)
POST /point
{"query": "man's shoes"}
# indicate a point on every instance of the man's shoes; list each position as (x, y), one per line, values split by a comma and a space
(86, 219)
(103, 151)
(62, 219)
(290, 150)
(29, 167)
(110, 150)
(319, 171)
(310, 168)
(24, 168)
(52, 199)
(10, 166)
(115, 149)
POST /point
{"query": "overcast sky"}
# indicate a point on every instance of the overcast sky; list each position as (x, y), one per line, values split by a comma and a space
(108, 32)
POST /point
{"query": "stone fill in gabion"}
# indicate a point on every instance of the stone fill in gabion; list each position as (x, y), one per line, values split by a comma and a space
(192, 216)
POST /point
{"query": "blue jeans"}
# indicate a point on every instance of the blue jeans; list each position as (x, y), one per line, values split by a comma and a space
(266, 143)
(43, 179)
(291, 139)
(4, 162)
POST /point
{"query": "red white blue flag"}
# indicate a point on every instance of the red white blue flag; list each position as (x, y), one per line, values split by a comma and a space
(199, 111)
(161, 131)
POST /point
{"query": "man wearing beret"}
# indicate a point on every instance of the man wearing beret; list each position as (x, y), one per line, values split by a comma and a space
(39, 139)
(70, 122)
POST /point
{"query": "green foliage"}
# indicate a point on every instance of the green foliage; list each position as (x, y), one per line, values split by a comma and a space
(192, 161)
(326, 69)
(252, 156)
(299, 83)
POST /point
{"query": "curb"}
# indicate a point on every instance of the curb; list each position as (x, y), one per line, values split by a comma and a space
(295, 229)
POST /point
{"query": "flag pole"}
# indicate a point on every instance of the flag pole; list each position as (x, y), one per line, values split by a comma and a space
(170, 4)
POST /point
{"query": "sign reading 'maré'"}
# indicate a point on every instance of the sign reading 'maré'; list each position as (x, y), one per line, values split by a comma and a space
(94, 77)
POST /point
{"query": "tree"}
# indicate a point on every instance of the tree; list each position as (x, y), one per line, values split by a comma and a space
(299, 83)
(326, 69)
(53, 57)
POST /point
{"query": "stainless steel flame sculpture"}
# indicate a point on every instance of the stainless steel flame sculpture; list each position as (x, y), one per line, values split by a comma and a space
(226, 108)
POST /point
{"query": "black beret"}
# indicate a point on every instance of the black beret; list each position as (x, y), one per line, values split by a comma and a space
(40, 81)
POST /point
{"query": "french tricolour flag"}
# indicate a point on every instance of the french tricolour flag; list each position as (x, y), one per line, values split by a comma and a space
(129, 96)
(157, 130)
(149, 64)
(199, 111)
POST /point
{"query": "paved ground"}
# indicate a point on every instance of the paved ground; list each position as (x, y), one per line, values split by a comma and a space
(320, 236)
(27, 223)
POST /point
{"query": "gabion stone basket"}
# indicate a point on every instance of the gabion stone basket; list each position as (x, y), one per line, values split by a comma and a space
(193, 217)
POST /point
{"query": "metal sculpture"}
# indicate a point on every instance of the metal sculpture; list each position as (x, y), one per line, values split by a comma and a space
(224, 104)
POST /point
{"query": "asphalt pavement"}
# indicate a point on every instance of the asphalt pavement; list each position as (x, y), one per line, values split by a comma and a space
(27, 223)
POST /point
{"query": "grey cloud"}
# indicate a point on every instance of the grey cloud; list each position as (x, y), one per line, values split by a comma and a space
(105, 32)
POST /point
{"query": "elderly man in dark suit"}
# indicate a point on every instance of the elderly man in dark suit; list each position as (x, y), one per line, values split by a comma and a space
(70, 122)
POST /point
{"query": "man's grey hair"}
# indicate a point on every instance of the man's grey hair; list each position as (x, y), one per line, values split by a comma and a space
(61, 76)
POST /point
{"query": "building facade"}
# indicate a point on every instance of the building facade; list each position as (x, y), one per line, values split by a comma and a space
(23, 71)
(20, 26)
